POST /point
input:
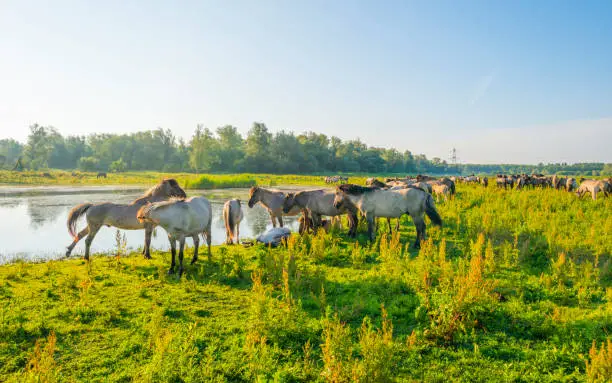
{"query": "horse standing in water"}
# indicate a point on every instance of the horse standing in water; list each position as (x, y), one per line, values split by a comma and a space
(180, 218)
(273, 201)
(375, 202)
(122, 216)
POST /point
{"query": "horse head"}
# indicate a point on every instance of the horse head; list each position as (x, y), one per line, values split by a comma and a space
(253, 196)
(338, 198)
(170, 188)
(288, 202)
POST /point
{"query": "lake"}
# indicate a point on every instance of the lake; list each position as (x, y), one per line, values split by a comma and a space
(33, 220)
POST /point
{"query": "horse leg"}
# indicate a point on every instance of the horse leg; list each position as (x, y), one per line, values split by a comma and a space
(397, 224)
(419, 223)
(76, 240)
(196, 243)
(181, 249)
(173, 252)
(371, 225)
(273, 218)
(208, 236)
(389, 223)
(352, 222)
(238, 233)
(280, 220)
(147, 243)
(93, 230)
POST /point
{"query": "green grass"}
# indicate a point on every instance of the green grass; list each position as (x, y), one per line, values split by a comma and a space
(516, 286)
(189, 181)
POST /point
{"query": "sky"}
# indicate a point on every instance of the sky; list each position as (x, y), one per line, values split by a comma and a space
(501, 81)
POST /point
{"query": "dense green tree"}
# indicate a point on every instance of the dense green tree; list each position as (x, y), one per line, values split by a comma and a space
(11, 150)
(39, 146)
(258, 156)
(231, 148)
(204, 150)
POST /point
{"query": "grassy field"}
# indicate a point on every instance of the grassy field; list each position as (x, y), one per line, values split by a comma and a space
(190, 181)
(516, 286)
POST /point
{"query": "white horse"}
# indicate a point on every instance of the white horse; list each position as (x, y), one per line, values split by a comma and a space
(181, 218)
(232, 215)
(375, 202)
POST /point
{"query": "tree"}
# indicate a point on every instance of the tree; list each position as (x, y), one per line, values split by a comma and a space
(118, 166)
(89, 164)
(231, 148)
(38, 149)
(204, 150)
(257, 149)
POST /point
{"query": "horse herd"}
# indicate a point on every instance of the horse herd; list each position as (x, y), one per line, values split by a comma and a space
(167, 205)
(523, 181)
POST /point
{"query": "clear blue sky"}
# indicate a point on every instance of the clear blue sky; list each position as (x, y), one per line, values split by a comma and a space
(502, 81)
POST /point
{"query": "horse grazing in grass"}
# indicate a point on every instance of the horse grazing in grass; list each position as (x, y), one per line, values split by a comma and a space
(441, 189)
(594, 187)
(180, 218)
(320, 203)
(375, 202)
(232, 216)
(122, 216)
(273, 201)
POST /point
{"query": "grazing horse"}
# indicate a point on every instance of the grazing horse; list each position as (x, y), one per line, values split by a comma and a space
(232, 215)
(319, 203)
(440, 189)
(375, 202)
(594, 187)
(273, 201)
(570, 184)
(101, 175)
(122, 216)
(180, 218)
(484, 181)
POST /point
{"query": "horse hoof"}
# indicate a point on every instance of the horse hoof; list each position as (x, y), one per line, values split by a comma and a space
(148, 256)
(180, 273)
(171, 271)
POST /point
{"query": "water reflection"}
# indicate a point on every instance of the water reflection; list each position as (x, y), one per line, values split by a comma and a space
(33, 227)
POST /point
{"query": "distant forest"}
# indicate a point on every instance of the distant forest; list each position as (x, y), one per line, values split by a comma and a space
(226, 151)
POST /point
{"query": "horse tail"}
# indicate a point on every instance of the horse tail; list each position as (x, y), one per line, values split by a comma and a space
(430, 210)
(229, 219)
(74, 216)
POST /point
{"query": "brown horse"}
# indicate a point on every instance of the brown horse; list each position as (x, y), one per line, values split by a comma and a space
(121, 216)
(320, 203)
(273, 201)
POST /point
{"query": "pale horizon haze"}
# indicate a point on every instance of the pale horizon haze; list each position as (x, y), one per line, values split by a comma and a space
(501, 81)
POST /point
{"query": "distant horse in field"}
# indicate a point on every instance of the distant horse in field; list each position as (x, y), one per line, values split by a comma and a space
(594, 187)
(232, 216)
(570, 184)
(101, 175)
(440, 189)
(121, 216)
(320, 203)
(375, 202)
(180, 218)
(273, 201)
(484, 181)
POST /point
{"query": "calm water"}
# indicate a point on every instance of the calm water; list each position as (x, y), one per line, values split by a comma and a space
(33, 220)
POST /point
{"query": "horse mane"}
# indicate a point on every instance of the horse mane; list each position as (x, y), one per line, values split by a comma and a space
(356, 189)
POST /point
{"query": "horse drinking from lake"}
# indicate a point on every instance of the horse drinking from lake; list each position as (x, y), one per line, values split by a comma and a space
(375, 202)
(180, 218)
(122, 216)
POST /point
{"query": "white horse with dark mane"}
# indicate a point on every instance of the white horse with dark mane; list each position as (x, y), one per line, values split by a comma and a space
(374, 202)
(181, 218)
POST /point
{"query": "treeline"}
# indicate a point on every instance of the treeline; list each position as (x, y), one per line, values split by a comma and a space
(225, 151)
